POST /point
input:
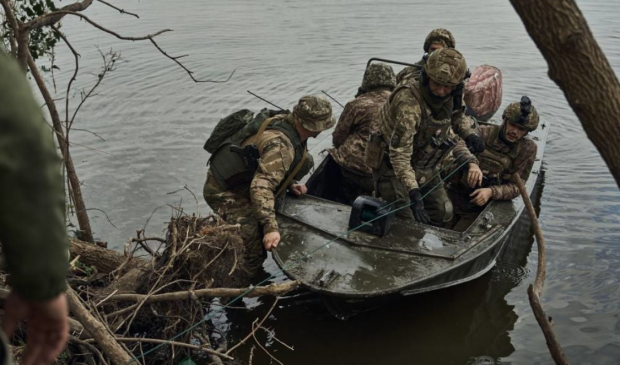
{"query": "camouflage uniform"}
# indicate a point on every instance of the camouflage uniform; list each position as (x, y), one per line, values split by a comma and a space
(498, 162)
(417, 137)
(252, 205)
(410, 74)
(356, 123)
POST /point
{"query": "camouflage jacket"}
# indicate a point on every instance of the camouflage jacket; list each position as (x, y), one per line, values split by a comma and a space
(521, 156)
(356, 122)
(399, 122)
(32, 199)
(276, 156)
(409, 73)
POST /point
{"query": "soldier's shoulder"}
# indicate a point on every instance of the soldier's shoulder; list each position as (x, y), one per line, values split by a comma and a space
(406, 94)
(528, 146)
(274, 138)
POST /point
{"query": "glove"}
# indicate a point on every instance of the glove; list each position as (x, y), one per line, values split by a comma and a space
(474, 143)
(417, 207)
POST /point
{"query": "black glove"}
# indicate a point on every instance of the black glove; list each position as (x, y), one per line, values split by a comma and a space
(417, 207)
(474, 143)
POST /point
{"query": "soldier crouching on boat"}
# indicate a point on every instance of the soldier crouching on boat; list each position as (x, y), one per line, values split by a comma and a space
(436, 39)
(508, 151)
(246, 194)
(356, 123)
(416, 132)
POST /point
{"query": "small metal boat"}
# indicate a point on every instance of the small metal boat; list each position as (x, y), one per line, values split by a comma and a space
(318, 249)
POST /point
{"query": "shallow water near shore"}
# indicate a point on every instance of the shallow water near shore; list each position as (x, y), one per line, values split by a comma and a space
(155, 120)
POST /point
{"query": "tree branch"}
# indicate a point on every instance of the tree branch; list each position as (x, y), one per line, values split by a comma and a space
(173, 343)
(76, 56)
(122, 11)
(55, 16)
(10, 16)
(272, 289)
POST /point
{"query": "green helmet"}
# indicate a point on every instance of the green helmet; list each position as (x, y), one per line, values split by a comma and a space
(522, 113)
(441, 36)
(378, 75)
(446, 66)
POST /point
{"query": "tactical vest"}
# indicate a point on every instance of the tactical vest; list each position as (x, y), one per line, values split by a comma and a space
(229, 168)
(495, 163)
(432, 141)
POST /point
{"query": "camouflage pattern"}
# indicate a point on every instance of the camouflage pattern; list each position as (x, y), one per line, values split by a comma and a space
(378, 75)
(358, 119)
(439, 36)
(314, 113)
(446, 66)
(399, 121)
(520, 158)
(253, 205)
(410, 74)
(406, 126)
(514, 113)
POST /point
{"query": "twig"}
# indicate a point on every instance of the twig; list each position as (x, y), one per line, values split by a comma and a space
(76, 56)
(122, 11)
(253, 330)
(190, 73)
(104, 213)
(86, 130)
(273, 335)
(90, 347)
(261, 346)
(10, 16)
(534, 291)
(173, 343)
(106, 298)
(251, 355)
(272, 289)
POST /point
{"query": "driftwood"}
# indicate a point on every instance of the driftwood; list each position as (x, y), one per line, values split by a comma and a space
(272, 290)
(100, 333)
(105, 260)
(534, 291)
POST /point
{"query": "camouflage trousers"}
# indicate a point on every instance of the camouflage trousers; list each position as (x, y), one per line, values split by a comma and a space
(234, 207)
(355, 184)
(436, 201)
(465, 213)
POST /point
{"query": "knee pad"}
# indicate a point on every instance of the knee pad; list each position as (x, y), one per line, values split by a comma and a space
(448, 211)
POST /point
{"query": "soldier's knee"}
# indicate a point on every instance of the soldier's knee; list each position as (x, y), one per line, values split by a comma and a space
(447, 211)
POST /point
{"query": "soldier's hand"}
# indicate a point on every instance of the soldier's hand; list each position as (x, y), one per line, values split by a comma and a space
(298, 189)
(419, 213)
(474, 176)
(481, 196)
(271, 240)
(48, 327)
(474, 143)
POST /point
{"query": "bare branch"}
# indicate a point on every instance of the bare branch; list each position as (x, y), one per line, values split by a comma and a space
(55, 16)
(173, 343)
(106, 215)
(10, 16)
(122, 11)
(190, 73)
(253, 329)
(86, 130)
(77, 67)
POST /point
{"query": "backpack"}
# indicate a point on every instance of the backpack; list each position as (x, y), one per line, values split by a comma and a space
(233, 123)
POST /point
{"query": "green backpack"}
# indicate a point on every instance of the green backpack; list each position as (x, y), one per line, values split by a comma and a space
(234, 123)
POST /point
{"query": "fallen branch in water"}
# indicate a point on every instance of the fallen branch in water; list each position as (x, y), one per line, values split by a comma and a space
(534, 291)
(272, 289)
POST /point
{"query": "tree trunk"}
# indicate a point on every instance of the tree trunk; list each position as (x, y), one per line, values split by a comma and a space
(579, 67)
(103, 259)
(80, 207)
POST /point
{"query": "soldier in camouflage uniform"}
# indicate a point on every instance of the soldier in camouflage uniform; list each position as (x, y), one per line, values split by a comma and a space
(507, 151)
(416, 131)
(436, 39)
(356, 122)
(282, 150)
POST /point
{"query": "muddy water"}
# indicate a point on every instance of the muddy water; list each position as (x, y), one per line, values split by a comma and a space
(154, 120)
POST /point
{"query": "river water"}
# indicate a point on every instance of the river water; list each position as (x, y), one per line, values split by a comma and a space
(154, 120)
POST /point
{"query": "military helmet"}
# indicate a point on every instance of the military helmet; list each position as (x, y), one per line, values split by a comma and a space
(523, 114)
(314, 113)
(378, 75)
(446, 66)
(441, 36)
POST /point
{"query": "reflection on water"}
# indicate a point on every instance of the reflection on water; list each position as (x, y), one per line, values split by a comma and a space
(154, 122)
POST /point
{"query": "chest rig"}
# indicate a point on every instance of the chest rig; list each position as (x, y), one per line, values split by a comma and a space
(497, 158)
(433, 140)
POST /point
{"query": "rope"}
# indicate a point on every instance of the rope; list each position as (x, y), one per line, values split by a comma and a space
(290, 266)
